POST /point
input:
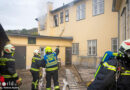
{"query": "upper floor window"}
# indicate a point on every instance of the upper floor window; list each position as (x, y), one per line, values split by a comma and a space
(75, 48)
(61, 17)
(115, 45)
(56, 20)
(98, 7)
(31, 40)
(81, 11)
(67, 15)
(92, 47)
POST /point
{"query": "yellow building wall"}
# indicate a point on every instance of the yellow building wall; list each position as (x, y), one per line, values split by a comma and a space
(29, 54)
(102, 27)
(18, 40)
(40, 42)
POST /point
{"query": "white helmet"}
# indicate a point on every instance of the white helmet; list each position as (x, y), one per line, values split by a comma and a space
(36, 52)
(9, 48)
(125, 47)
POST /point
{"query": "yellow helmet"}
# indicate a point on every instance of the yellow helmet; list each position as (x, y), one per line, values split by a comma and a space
(48, 49)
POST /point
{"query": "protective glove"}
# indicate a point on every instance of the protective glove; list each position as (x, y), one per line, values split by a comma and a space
(19, 82)
(90, 82)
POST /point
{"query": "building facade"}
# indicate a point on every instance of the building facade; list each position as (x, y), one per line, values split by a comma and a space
(123, 9)
(26, 44)
(91, 23)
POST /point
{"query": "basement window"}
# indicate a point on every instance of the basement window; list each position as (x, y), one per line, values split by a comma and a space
(56, 20)
(31, 40)
(67, 15)
(75, 48)
(61, 17)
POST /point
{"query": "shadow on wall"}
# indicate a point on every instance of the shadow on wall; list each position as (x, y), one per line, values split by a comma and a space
(88, 62)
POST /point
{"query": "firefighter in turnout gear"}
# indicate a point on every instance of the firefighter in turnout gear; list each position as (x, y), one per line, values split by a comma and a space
(7, 69)
(35, 69)
(114, 74)
(51, 67)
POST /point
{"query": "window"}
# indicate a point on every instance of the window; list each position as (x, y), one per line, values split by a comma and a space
(114, 45)
(98, 7)
(42, 49)
(81, 12)
(75, 48)
(31, 40)
(92, 47)
(123, 31)
(56, 20)
(67, 15)
(61, 17)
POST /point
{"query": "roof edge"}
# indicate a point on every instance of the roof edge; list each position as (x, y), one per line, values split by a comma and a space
(41, 36)
(66, 5)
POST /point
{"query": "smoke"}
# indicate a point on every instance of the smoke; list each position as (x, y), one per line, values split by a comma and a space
(42, 9)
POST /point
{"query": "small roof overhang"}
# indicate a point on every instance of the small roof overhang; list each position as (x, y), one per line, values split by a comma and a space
(41, 36)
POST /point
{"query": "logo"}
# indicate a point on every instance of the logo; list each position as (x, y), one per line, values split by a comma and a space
(3, 84)
(127, 43)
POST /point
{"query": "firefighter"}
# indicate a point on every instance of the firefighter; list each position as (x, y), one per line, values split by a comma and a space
(115, 73)
(51, 67)
(35, 69)
(7, 69)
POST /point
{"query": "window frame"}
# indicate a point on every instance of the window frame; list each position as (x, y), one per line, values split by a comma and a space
(81, 12)
(56, 17)
(42, 52)
(112, 48)
(61, 17)
(66, 15)
(75, 50)
(92, 47)
(93, 12)
(32, 38)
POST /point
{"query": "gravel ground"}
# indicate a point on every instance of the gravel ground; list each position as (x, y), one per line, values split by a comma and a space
(27, 78)
(86, 74)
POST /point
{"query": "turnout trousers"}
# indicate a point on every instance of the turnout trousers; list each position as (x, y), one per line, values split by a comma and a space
(54, 75)
(35, 81)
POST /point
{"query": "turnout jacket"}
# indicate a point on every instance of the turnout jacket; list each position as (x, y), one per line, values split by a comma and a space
(51, 61)
(7, 66)
(106, 77)
(37, 62)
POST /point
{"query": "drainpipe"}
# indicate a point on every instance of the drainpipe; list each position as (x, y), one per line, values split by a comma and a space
(118, 29)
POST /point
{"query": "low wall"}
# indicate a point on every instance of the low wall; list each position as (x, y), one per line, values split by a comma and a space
(88, 62)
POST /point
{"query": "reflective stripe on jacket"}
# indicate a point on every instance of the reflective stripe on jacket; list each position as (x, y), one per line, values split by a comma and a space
(36, 63)
(7, 67)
